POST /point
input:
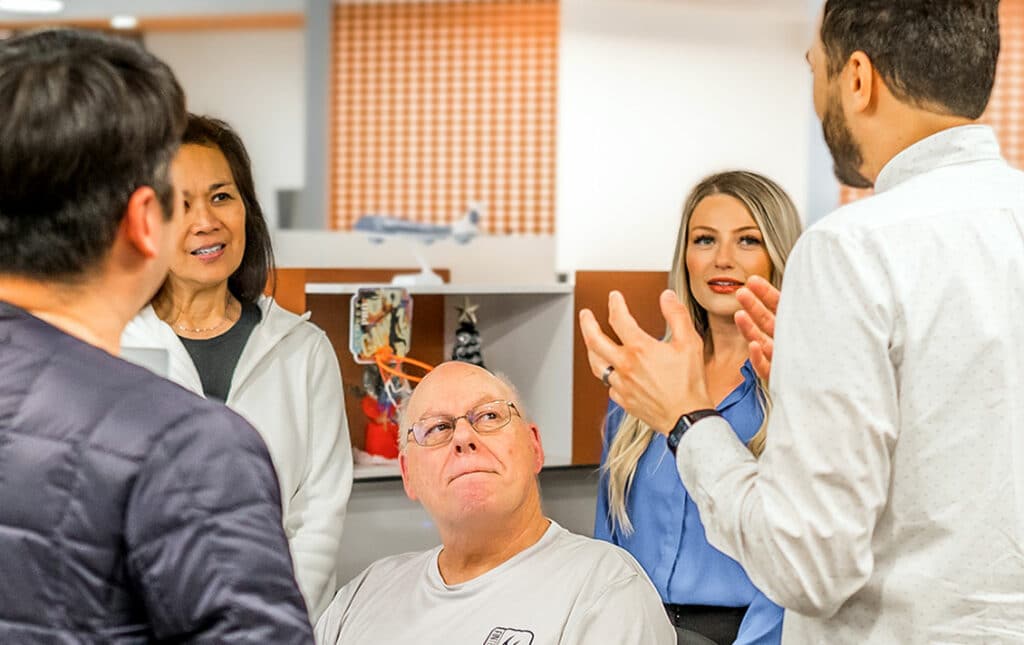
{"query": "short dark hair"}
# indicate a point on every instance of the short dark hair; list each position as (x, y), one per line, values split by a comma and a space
(85, 120)
(936, 54)
(249, 280)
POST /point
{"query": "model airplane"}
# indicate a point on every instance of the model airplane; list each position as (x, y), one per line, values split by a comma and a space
(380, 227)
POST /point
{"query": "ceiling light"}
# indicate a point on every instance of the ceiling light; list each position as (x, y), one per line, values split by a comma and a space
(32, 6)
(124, 22)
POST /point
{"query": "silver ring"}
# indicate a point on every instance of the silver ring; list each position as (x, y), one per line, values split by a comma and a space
(605, 374)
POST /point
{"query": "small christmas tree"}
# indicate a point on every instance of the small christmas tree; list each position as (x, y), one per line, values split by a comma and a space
(467, 336)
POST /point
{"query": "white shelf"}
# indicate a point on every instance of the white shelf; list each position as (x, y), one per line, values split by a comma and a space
(348, 288)
(375, 471)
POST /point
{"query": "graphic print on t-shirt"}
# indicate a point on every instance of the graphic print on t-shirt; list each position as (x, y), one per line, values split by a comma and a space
(509, 636)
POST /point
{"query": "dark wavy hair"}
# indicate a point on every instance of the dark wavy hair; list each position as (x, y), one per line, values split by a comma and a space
(85, 121)
(249, 280)
(935, 54)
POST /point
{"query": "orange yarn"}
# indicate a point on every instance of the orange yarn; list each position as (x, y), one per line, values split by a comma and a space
(385, 356)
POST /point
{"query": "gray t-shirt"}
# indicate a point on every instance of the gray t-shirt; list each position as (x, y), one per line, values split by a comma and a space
(564, 589)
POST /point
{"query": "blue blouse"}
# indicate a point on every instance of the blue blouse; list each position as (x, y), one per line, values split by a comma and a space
(668, 538)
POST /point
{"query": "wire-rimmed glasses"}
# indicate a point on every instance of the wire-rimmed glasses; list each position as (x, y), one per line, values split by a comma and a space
(485, 418)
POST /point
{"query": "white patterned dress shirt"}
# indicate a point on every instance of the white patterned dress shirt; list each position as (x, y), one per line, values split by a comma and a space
(889, 505)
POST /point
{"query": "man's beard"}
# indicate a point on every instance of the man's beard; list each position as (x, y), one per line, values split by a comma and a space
(846, 155)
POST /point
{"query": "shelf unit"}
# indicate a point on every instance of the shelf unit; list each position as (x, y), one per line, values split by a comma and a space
(526, 332)
(349, 288)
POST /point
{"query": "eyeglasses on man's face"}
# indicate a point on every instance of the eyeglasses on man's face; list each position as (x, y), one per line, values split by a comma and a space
(485, 418)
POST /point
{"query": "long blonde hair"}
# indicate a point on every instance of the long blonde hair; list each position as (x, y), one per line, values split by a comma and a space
(780, 225)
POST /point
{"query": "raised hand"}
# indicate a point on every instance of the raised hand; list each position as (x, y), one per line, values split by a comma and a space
(654, 380)
(756, 321)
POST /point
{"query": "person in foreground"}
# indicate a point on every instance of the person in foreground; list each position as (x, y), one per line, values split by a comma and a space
(131, 511)
(888, 506)
(735, 225)
(504, 573)
(229, 342)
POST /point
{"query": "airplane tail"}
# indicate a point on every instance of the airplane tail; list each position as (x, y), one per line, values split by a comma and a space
(467, 227)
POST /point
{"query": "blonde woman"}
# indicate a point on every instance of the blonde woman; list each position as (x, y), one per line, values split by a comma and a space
(735, 225)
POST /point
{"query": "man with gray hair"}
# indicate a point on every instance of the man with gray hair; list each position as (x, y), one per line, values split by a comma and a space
(504, 573)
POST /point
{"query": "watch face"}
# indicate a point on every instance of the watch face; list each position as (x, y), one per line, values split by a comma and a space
(684, 423)
(677, 433)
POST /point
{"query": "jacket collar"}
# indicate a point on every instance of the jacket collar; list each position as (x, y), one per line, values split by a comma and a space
(147, 330)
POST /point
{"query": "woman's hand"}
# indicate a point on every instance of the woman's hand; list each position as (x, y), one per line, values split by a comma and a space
(653, 380)
(760, 301)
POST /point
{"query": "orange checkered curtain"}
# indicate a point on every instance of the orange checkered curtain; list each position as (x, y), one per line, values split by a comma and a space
(439, 105)
(1005, 112)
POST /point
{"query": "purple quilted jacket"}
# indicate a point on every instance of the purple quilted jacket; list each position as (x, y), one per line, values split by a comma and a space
(131, 511)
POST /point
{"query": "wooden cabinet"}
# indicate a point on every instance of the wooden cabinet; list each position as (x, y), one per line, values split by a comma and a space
(590, 398)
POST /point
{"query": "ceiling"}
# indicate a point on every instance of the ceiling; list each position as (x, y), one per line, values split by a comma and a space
(79, 9)
(86, 9)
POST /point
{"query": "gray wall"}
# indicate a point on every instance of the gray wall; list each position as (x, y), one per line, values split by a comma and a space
(823, 189)
(823, 197)
(311, 208)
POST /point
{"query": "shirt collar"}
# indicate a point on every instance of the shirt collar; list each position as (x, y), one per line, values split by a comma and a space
(749, 381)
(747, 369)
(962, 144)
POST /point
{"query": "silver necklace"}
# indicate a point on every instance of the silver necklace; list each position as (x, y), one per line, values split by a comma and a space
(203, 330)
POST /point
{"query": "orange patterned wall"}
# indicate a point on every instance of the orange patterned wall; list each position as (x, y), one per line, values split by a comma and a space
(440, 104)
(1005, 112)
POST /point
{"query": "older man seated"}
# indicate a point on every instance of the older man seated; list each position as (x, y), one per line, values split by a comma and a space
(504, 574)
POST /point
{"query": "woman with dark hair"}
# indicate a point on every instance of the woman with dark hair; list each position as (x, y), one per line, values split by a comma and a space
(227, 341)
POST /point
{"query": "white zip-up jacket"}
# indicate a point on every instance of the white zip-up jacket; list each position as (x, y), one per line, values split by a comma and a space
(287, 384)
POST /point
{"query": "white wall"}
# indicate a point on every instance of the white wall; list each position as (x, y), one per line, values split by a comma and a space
(654, 95)
(254, 80)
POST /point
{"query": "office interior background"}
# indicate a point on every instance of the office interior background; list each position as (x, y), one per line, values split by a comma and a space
(580, 124)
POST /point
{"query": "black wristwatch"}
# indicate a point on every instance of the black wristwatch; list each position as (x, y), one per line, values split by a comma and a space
(684, 423)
